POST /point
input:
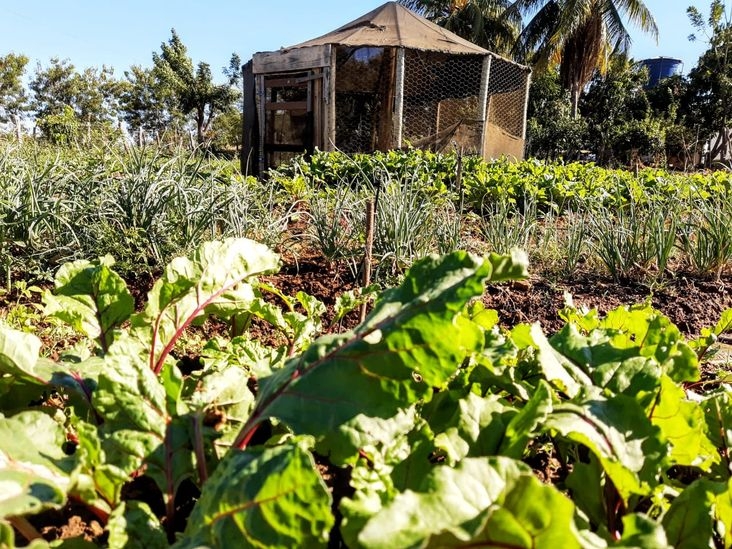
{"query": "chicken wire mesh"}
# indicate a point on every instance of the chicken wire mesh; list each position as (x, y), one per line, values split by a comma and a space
(442, 102)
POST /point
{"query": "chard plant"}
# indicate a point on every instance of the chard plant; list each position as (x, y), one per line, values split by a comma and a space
(414, 429)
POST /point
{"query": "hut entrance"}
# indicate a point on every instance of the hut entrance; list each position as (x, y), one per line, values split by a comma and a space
(291, 112)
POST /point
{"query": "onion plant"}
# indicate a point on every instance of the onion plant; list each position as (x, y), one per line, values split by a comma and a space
(706, 239)
(505, 226)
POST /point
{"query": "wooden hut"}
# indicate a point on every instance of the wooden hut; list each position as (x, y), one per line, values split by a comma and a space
(387, 80)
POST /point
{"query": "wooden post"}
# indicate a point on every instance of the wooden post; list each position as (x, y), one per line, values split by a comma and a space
(367, 258)
(526, 103)
(249, 139)
(399, 99)
(386, 94)
(330, 144)
(483, 101)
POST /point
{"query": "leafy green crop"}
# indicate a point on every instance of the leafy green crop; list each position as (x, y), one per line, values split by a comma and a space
(424, 426)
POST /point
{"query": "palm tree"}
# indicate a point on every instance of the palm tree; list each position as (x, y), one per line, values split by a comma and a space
(578, 35)
(486, 23)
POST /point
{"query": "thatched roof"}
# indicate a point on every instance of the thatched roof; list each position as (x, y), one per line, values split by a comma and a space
(393, 25)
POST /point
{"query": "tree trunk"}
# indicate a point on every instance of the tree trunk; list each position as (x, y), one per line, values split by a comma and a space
(575, 99)
(18, 128)
(200, 116)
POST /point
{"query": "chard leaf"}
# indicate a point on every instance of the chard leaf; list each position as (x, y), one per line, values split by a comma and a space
(222, 400)
(19, 356)
(25, 492)
(527, 422)
(261, 497)
(133, 526)
(682, 424)
(366, 435)
(35, 473)
(530, 515)
(91, 298)
(585, 483)
(718, 417)
(639, 377)
(24, 374)
(628, 332)
(467, 425)
(212, 280)
(641, 532)
(689, 521)
(143, 420)
(619, 434)
(490, 502)
(414, 339)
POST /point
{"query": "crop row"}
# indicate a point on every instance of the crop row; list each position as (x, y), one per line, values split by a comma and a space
(415, 429)
(149, 205)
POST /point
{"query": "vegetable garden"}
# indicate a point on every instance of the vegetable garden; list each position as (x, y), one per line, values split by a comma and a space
(219, 409)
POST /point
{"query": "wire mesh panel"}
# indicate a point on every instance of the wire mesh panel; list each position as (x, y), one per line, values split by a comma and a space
(506, 109)
(442, 106)
(362, 79)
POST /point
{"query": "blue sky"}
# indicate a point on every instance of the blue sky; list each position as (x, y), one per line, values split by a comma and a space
(126, 32)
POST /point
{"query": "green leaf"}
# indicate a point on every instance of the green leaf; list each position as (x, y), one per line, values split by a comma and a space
(132, 525)
(689, 521)
(91, 298)
(415, 338)
(718, 417)
(641, 532)
(27, 492)
(585, 483)
(682, 424)
(619, 434)
(491, 502)
(527, 422)
(628, 332)
(140, 424)
(366, 435)
(555, 367)
(447, 498)
(212, 280)
(531, 515)
(261, 497)
(19, 356)
(467, 425)
(35, 473)
(639, 377)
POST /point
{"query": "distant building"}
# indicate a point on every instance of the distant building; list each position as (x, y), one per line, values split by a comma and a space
(660, 68)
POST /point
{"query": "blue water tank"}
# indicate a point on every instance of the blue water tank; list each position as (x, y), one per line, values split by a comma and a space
(660, 68)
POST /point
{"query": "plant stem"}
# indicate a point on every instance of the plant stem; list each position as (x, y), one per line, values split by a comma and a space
(199, 447)
(26, 529)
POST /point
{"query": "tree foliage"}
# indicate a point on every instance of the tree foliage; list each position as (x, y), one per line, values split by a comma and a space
(578, 36)
(190, 87)
(619, 114)
(61, 93)
(487, 23)
(552, 131)
(710, 82)
(13, 97)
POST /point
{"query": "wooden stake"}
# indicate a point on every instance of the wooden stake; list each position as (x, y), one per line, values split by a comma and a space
(367, 258)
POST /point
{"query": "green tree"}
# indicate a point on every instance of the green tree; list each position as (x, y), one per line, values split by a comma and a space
(552, 131)
(92, 95)
(709, 99)
(144, 104)
(578, 36)
(13, 98)
(192, 88)
(618, 113)
(487, 23)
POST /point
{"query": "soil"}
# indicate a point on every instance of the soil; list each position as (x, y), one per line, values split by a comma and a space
(691, 303)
